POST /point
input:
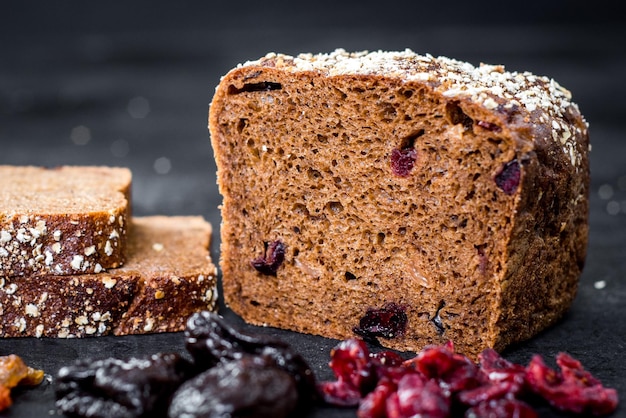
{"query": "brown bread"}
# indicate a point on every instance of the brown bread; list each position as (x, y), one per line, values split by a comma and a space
(168, 276)
(65, 220)
(417, 199)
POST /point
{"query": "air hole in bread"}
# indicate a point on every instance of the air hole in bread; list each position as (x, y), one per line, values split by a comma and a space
(436, 319)
(456, 116)
(253, 87)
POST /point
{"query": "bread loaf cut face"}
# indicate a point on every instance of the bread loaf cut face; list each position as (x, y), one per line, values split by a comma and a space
(407, 199)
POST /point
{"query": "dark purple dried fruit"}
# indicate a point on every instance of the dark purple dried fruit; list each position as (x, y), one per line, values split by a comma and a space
(250, 387)
(211, 341)
(115, 388)
(509, 177)
(389, 322)
(271, 260)
(402, 161)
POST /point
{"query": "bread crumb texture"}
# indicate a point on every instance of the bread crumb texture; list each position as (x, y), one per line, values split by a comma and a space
(372, 185)
(62, 221)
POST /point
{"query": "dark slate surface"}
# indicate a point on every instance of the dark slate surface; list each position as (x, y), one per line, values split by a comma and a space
(129, 84)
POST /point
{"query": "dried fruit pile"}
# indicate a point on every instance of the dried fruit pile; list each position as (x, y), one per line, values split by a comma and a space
(234, 374)
(440, 383)
(231, 374)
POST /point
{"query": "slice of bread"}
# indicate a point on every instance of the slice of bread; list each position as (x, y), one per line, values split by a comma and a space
(167, 277)
(65, 220)
(408, 199)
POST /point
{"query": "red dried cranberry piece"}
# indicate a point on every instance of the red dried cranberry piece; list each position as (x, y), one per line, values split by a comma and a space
(499, 378)
(455, 372)
(374, 405)
(509, 177)
(339, 393)
(501, 408)
(351, 364)
(402, 161)
(269, 262)
(573, 389)
(389, 321)
(418, 396)
(489, 126)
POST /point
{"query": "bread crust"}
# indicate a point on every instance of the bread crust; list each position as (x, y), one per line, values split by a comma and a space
(303, 148)
(64, 220)
(168, 276)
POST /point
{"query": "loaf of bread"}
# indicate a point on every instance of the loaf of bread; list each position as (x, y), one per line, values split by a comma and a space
(167, 277)
(65, 220)
(407, 199)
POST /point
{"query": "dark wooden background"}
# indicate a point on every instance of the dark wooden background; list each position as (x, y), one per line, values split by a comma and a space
(128, 83)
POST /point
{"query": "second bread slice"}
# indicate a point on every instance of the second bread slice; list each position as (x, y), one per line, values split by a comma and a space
(65, 220)
(167, 277)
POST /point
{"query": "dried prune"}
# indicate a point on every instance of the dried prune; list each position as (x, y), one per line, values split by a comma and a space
(509, 177)
(250, 387)
(211, 341)
(389, 322)
(120, 388)
(573, 389)
(271, 260)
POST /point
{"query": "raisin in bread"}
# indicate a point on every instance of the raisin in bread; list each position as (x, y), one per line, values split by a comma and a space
(167, 277)
(404, 198)
(65, 220)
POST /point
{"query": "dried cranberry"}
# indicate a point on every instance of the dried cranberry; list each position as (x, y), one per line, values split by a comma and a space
(499, 378)
(402, 161)
(351, 363)
(374, 405)
(389, 321)
(573, 389)
(501, 408)
(489, 126)
(454, 371)
(509, 177)
(271, 260)
(417, 396)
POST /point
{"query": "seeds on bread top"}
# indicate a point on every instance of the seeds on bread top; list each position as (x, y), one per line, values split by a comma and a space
(489, 85)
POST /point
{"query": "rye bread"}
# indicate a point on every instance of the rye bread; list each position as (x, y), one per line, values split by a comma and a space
(405, 198)
(64, 220)
(167, 277)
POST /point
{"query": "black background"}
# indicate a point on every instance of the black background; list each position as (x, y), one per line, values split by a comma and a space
(71, 71)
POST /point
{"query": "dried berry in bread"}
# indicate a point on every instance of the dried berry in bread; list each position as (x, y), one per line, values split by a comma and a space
(408, 199)
(65, 220)
(167, 277)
